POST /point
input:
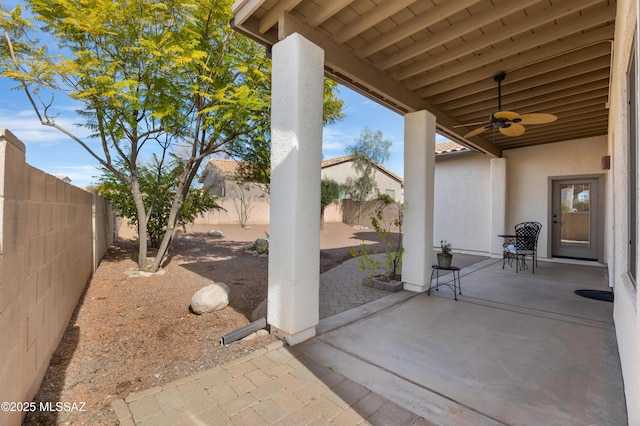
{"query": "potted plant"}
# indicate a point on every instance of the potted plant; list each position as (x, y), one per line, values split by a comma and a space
(444, 257)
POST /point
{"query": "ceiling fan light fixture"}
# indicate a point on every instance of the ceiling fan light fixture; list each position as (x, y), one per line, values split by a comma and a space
(509, 123)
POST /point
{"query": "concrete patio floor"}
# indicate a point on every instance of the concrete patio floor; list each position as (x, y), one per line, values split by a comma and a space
(514, 349)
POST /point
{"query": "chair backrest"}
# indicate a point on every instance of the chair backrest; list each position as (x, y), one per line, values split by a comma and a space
(527, 235)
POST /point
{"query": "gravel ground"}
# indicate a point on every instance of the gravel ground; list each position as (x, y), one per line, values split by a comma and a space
(130, 334)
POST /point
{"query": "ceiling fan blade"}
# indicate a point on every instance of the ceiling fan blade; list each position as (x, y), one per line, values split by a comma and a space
(507, 115)
(471, 124)
(512, 130)
(537, 118)
(476, 131)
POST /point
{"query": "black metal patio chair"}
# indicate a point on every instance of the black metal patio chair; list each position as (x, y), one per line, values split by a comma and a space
(524, 244)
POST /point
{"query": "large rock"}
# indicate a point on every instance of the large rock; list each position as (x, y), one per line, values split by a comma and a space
(262, 245)
(215, 233)
(210, 298)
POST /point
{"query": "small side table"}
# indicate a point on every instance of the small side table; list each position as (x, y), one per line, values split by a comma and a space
(456, 279)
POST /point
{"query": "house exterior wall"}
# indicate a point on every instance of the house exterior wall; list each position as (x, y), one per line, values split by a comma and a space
(627, 300)
(341, 171)
(461, 204)
(528, 173)
(464, 219)
(52, 234)
(214, 183)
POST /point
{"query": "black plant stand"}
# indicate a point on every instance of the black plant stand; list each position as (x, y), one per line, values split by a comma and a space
(456, 279)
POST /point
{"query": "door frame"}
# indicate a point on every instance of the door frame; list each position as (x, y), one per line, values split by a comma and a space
(600, 178)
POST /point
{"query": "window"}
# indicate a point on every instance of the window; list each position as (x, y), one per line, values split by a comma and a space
(391, 193)
(633, 165)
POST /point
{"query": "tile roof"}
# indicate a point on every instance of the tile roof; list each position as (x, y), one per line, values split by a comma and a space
(450, 147)
(225, 166)
(345, 158)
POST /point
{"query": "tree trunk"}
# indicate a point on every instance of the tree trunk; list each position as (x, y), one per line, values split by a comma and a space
(174, 214)
(142, 223)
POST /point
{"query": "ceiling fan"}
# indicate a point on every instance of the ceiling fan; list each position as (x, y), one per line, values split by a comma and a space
(509, 123)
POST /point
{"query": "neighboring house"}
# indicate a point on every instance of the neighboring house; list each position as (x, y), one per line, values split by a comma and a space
(221, 178)
(341, 168)
(242, 202)
(64, 178)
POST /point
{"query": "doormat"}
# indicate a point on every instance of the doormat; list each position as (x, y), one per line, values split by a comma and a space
(606, 296)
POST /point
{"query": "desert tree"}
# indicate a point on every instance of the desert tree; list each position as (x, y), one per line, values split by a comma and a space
(370, 148)
(149, 78)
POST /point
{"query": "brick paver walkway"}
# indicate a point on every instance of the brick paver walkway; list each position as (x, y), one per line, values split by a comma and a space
(341, 288)
(274, 385)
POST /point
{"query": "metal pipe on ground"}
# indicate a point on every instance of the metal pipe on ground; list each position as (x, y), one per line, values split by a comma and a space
(244, 331)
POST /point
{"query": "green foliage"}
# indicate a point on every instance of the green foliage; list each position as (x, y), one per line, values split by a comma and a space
(329, 192)
(385, 198)
(158, 184)
(370, 147)
(393, 251)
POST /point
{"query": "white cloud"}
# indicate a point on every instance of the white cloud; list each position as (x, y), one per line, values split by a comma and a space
(24, 124)
(336, 139)
(80, 175)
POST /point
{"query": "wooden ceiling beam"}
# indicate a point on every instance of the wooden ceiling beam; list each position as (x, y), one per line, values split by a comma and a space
(523, 104)
(541, 18)
(570, 134)
(493, 62)
(429, 17)
(555, 69)
(596, 98)
(271, 17)
(370, 19)
(550, 82)
(326, 11)
(244, 10)
(486, 17)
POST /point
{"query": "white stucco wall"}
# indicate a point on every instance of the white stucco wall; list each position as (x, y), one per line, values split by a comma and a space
(627, 300)
(461, 214)
(463, 211)
(528, 173)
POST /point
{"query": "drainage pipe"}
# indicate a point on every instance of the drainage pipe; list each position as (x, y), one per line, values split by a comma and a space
(244, 331)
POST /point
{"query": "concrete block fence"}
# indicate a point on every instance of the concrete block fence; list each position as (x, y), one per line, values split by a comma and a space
(52, 237)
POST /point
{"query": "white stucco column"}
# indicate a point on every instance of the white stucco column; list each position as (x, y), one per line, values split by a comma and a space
(296, 155)
(498, 204)
(419, 167)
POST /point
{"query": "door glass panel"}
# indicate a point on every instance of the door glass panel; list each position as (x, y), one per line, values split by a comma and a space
(576, 215)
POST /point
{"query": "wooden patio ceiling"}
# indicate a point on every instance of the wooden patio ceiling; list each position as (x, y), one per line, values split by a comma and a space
(441, 55)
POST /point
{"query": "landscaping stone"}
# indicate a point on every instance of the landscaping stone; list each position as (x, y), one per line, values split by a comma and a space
(215, 233)
(210, 298)
(262, 245)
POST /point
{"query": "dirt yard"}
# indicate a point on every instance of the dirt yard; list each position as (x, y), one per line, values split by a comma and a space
(130, 334)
